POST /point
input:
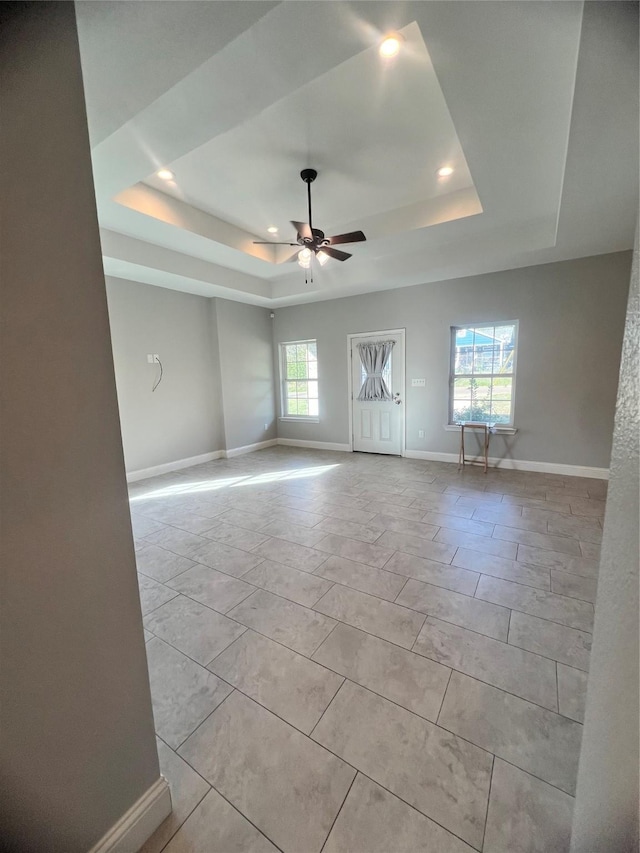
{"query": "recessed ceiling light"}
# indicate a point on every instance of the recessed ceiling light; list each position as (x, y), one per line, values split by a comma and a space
(272, 229)
(165, 174)
(390, 45)
(445, 171)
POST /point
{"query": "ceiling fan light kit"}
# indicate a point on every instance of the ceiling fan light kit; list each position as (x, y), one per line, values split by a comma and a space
(313, 242)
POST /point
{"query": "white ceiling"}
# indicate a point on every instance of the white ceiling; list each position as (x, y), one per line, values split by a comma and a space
(535, 104)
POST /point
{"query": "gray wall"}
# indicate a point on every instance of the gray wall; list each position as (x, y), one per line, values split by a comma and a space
(606, 809)
(183, 417)
(246, 364)
(571, 324)
(78, 746)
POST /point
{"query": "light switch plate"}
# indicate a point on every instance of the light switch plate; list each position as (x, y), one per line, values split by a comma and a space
(418, 383)
(149, 358)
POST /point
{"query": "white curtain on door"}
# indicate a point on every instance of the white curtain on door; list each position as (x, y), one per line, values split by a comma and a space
(374, 358)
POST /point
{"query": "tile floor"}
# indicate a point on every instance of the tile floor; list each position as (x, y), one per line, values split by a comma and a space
(354, 653)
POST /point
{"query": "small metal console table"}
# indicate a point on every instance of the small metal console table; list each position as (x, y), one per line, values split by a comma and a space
(485, 431)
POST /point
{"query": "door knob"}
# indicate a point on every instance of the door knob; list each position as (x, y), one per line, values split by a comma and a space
(396, 399)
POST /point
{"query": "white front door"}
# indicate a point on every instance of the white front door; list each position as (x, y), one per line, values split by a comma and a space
(378, 425)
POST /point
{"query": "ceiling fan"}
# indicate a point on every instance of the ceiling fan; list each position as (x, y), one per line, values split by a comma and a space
(312, 240)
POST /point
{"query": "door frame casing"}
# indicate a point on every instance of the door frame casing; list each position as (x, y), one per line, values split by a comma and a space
(350, 338)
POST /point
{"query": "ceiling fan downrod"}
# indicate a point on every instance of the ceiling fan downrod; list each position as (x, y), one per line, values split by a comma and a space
(309, 176)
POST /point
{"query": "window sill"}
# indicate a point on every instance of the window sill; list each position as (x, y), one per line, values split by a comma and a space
(497, 430)
(301, 420)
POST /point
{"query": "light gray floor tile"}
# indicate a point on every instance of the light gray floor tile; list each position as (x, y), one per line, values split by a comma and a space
(224, 558)
(432, 502)
(352, 529)
(591, 551)
(237, 537)
(242, 518)
(500, 568)
(217, 590)
(348, 513)
(534, 739)
(285, 784)
(365, 578)
(301, 587)
(374, 821)
(398, 511)
(404, 526)
(295, 516)
(574, 586)
(409, 680)
(291, 554)
(442, 776)
(293, 533)
(216, 827)
(486, 544)
(183, 692)
(454, 522)
(550, 639)
(143, 526)
(520, 672)
(418, 546)
(153, 594)
(537, 602)
(374, 615)
(489, 619)
(561, 544)
(174, 539)
(555, 560)
(147, 635)
(511, 516)
(459, 580)
(288, 623)
(588, 507)
(290, 685)
(572, 692)
(525, 814)
(160, 564)
(361, 552)
(588, 530)
(194, 629)
(187, 790)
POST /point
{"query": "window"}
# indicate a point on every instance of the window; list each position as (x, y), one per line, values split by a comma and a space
(299, 371)
(483, 373)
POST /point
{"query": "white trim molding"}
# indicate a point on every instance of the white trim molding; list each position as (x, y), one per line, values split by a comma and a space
(248, 448)
(313, 445)
(517, 465)
(139, 822)
(176, 465)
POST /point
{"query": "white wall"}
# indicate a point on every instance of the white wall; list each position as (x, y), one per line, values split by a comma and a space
(217, 390)
(246, 365)
(77, 741)
(606, 810)
(571, 317)
(182, 418)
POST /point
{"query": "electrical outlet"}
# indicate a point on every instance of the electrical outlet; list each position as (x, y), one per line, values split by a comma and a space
(149, 358)
(420, 433)
(156, 358)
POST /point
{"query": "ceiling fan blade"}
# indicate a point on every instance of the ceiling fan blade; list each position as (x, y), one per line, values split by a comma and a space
(303, 230)
(335, 253)
(351, 237)
(271, 243)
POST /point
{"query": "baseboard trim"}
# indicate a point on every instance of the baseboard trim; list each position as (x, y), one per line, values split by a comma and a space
(141, 821)
(313, 445)
(177, 465)
(248, 448)
(517, 465)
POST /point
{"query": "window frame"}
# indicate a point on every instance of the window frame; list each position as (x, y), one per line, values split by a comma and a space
(452, 374)
(282, 360)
